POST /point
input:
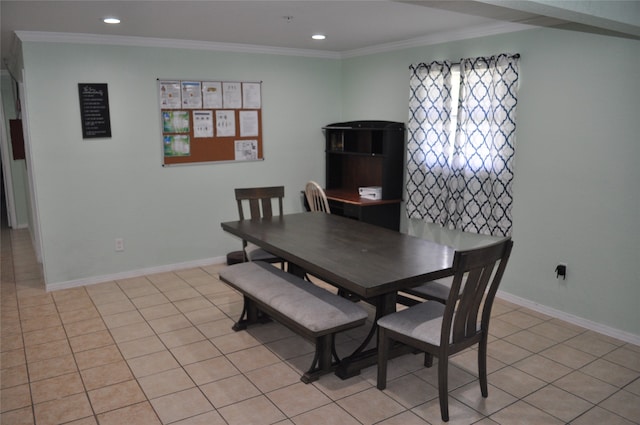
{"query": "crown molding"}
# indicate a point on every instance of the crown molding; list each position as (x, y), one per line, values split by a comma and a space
(117, 40)
(442, 37)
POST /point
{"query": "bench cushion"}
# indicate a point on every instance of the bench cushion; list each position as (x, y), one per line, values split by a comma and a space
(314, 308)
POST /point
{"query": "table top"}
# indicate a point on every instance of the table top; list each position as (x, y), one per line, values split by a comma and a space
(361, 258)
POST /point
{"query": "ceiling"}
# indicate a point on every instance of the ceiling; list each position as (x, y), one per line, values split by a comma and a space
(350, 26)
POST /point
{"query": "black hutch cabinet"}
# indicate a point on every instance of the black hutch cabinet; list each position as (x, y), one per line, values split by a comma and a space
(363, 154)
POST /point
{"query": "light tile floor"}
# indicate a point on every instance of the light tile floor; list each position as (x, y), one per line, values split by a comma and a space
(159, 349)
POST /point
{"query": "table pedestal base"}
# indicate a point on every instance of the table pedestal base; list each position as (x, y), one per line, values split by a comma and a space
(352, 365)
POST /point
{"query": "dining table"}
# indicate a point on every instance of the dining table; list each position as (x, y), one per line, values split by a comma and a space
(363, 261)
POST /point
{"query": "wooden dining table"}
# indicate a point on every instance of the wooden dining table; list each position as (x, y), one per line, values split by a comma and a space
(369, 262)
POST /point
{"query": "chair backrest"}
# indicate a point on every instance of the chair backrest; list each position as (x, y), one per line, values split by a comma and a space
(260, 201)
(480, 271)
(316, 198)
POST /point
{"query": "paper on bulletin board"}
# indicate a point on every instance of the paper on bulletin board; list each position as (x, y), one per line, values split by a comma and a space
(212, 94)
(251, 97)
(170, 95)
(202, 124)
(225, 123)
(192, 94)
(248, 123)
(175, 121)
(177, 145)
(246, 150)
(232, 95)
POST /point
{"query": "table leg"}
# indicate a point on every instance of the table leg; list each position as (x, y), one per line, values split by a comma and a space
(296, 270)
(361, 358)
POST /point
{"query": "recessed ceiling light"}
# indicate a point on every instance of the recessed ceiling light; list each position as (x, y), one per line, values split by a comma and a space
(111, 20)
(318, 36)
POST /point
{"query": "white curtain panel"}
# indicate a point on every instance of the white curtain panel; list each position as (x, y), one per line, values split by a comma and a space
(428, 146)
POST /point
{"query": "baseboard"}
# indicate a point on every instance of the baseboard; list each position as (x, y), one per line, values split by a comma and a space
(576, 320)
(579, 321)
(135, 273)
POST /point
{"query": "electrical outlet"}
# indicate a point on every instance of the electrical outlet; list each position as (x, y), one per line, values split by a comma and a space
(119, 244)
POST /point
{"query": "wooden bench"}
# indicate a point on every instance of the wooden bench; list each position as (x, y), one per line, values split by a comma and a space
(307, 309)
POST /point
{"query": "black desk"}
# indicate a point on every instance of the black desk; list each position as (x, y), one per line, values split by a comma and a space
(366, 260)
(382, 212)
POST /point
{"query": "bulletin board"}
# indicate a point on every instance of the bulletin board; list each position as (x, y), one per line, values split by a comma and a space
(210, 121)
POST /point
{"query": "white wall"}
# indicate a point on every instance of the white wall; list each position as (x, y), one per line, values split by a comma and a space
(95, 190)
(576, 174)
(576, 196)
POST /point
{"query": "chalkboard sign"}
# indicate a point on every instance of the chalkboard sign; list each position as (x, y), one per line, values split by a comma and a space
(94, 110)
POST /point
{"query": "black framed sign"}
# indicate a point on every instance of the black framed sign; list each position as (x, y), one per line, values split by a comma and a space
(94, 110)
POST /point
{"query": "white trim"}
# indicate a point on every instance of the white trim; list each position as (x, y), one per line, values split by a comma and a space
(14, 53)
(118, 40)
(579, 321)
(442, 37)
(36, 236)
(134, 273)
(570, 318)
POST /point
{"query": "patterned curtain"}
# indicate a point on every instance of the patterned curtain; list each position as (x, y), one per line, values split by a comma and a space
(471, 183)
(485, 145)
(428, 147)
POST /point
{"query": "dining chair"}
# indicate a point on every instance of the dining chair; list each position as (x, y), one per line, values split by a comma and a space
(442, 330)
(316, 198)
(260, 201)
(435, 290)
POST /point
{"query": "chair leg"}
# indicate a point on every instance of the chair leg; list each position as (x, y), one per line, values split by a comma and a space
(482, 366)
(383, 354)
(443, 390)
(428, 359)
